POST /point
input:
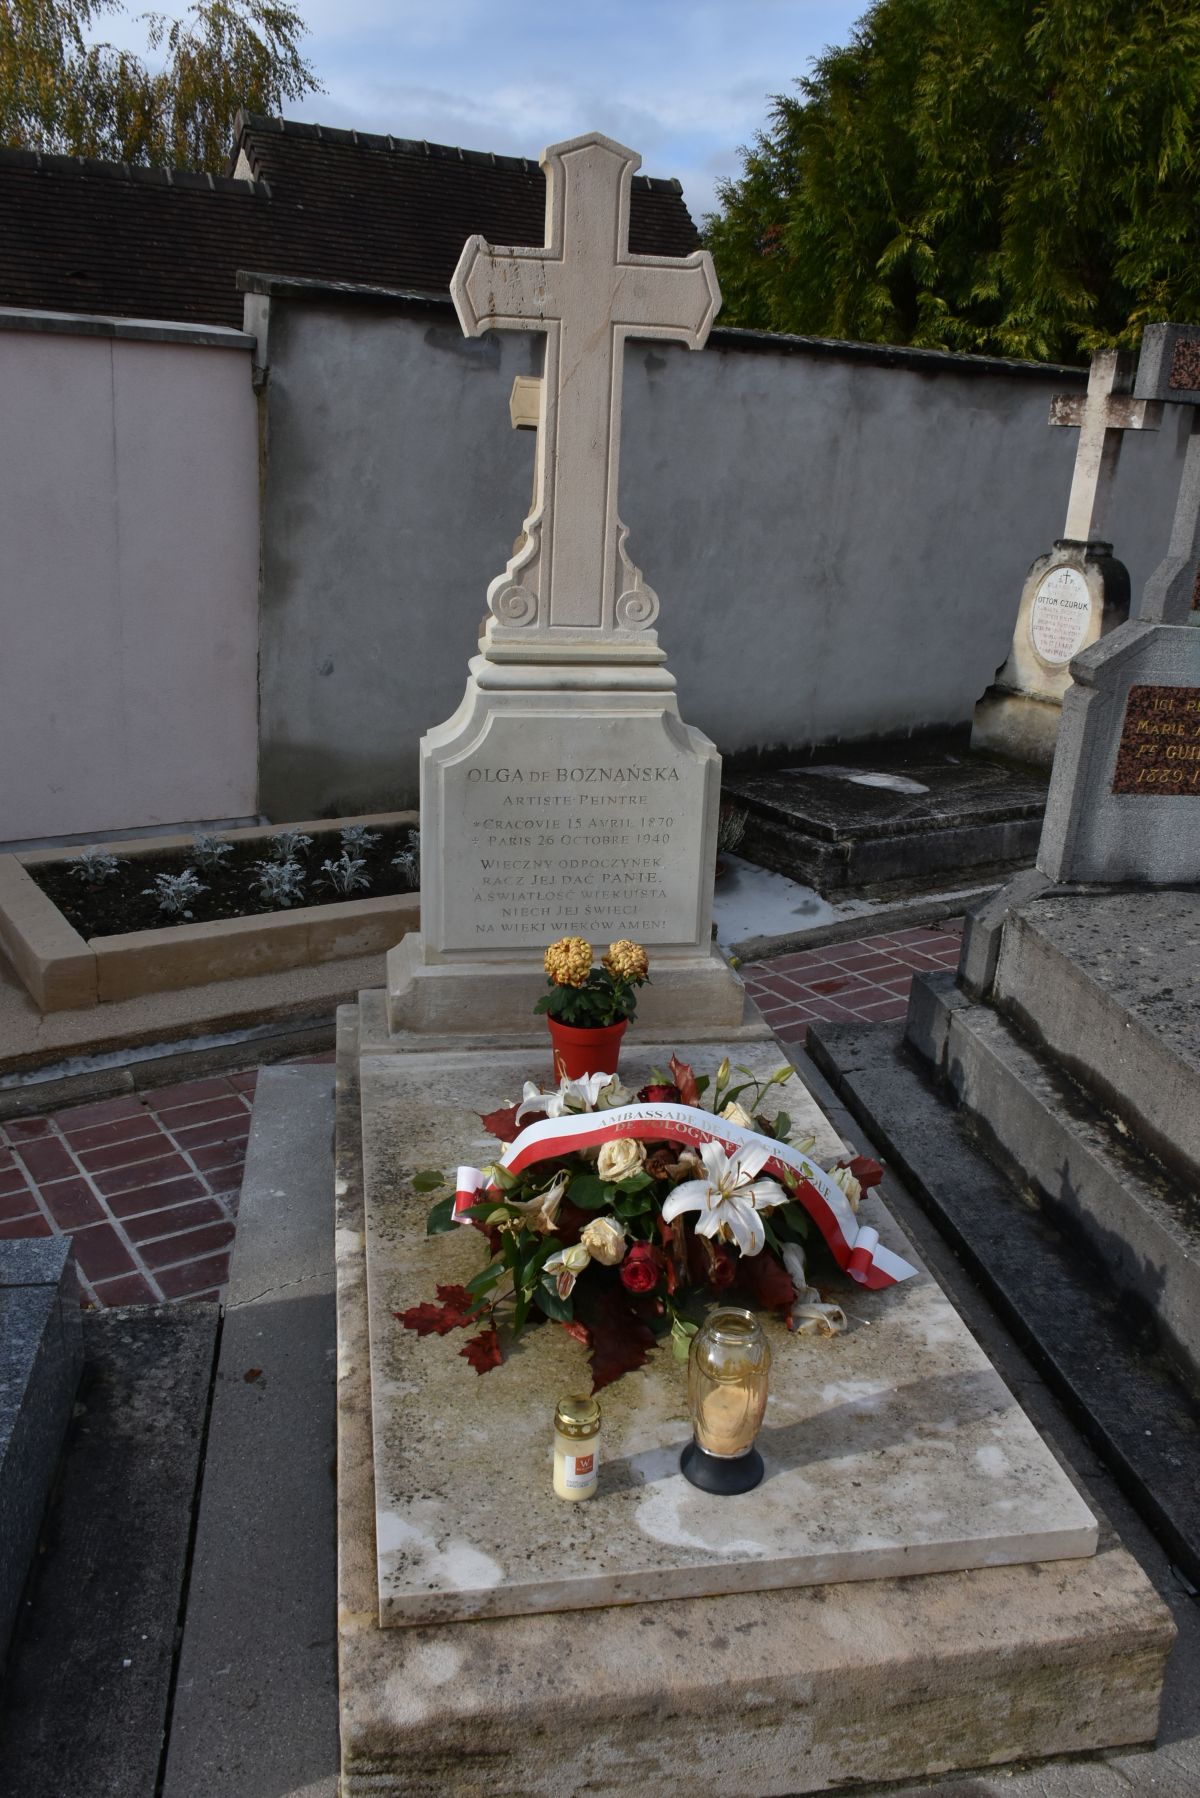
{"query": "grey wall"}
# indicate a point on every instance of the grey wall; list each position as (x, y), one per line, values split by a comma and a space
(838, 536)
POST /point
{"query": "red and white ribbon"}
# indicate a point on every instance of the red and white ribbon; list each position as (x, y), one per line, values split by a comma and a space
(856, 1248)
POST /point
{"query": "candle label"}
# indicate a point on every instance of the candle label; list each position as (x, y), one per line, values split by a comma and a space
(581, 1470)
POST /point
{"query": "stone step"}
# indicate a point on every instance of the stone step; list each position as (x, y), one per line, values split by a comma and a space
(1084, 1169)
(256, 1696)
(41, 1353)
(1122, 1393)
(1109, 984)
(85, 1701)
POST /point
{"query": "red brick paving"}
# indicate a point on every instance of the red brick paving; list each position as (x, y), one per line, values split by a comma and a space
(146, 1185)
(860, 982)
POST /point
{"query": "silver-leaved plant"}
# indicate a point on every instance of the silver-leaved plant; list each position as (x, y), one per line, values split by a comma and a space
(408, 860)
(288, 845)
(280, 883)
(176, 893)
(357, 839)
(210, 852)
(346, 874)
(95, 866)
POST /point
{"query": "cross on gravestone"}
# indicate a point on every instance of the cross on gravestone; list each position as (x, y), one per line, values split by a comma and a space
(1169, 369)
(1100, 415)
(571, 592)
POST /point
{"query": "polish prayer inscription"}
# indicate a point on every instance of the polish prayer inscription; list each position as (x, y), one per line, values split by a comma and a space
(1159, 750)
(593, 839)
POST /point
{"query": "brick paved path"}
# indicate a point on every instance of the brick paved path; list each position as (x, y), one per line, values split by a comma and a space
(148, 1184)
(865, 981)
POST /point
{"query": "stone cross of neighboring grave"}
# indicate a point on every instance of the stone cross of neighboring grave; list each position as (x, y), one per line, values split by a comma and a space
(1101, 416)
(571, 592)
(1169, 369)
(1079, 591)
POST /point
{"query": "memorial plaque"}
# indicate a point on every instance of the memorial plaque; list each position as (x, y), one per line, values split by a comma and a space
(583, 827)
(1159, 750)
(1060, 617)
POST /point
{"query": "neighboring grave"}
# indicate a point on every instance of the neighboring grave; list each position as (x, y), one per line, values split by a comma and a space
(566, 795)
(1125, 792)
(1077, 593)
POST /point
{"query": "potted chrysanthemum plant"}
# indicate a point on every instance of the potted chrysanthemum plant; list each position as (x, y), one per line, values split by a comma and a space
(587, 1008)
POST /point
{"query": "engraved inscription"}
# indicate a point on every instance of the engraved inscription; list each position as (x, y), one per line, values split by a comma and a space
(1060, 617)
(1159, 751)
(598, 847)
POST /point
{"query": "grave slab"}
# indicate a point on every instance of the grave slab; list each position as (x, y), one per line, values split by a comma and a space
(880, 817)
(761, 1694)
(896, 1449)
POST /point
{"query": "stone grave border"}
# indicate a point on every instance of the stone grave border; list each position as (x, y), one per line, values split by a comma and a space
(64, 971)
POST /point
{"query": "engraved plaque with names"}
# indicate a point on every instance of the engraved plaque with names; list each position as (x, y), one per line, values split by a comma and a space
(583, 827)
(1060, 617)
(1159, 751)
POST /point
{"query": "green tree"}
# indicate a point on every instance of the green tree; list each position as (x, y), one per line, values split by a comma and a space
(63, 92)
(1019, 177)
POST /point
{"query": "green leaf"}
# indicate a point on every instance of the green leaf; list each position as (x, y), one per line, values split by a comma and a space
(483, 1282)
(441, 1217)
(631, 1183)
(783, 1126)
(550, 1305)
(428, 1180)
(589, 1192)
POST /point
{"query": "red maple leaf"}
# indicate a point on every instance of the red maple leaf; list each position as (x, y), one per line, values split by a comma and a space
(438, 1320)
(483, 1351)
(618, 1337)
(579, 1331)
(502, 1124)
(767, 1280)
(868, 1173)
(685, 1080)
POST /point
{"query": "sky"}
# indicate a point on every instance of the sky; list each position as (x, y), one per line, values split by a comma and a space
(684, 84)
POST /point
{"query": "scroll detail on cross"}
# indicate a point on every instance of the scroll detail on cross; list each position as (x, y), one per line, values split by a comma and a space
(571, 591)
(1100, 415)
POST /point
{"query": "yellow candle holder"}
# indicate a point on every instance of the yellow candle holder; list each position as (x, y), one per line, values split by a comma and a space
(728, 1365)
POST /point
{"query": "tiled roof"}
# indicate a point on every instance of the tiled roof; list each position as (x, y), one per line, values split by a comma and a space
(83, 236)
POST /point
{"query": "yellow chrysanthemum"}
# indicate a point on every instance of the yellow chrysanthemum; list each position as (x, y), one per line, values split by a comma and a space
(568, 961)
(627, 961)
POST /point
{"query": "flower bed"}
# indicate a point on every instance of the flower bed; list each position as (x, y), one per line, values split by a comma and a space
(77, 938)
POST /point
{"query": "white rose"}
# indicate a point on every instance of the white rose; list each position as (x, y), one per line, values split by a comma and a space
(604, 1240)
(736, 1115)
(619, 1159)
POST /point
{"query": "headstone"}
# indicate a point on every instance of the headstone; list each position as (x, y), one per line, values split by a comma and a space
(1124, 799)
(566, 795)
(1079, 591)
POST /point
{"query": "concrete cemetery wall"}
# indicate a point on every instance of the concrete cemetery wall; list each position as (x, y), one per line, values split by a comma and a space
(129, 534)
(838, 533)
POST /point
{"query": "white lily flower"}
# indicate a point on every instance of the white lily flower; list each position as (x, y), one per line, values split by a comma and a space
(540, 1213)
(594, 1092)
(730, 1198)
(565, 1267)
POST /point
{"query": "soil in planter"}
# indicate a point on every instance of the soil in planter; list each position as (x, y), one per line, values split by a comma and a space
(122, 904)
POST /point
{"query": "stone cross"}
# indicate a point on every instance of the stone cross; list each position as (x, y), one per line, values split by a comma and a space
(1100, 416)
(1169, 369)
(570, 593)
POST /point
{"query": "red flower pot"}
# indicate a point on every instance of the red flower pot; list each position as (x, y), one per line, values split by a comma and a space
(592, 1049)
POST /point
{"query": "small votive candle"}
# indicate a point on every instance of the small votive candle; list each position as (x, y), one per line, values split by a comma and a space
(576, 1447)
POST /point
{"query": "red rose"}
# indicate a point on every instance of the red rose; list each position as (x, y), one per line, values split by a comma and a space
(659, 1094)
(641, 1268)
(723, 1270)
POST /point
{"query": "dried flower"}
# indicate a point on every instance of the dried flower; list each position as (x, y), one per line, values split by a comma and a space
(627, 961)
(849, 1185)
(604, 1240)
(737, 1114)
(568, 962)
(620, 1158)
(565, 1267)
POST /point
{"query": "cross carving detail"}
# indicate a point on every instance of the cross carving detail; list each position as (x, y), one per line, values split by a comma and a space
(571, 587)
